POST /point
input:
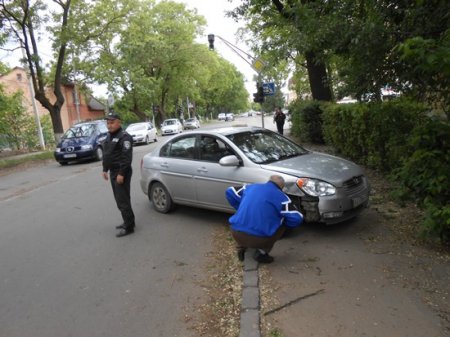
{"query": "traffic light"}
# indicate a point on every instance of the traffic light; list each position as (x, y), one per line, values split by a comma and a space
(258, 96)
(211, 41)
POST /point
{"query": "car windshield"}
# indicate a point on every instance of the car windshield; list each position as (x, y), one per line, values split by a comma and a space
(169, 122)
(265, 147)
(136, 127)
(83, 130)
(190, 120)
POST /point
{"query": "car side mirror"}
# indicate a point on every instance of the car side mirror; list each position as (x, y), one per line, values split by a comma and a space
(231, 160)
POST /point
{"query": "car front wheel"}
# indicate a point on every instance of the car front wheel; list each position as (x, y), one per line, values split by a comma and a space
(160, 198)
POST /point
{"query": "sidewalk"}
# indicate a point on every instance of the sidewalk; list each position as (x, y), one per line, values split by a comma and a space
(359, 278)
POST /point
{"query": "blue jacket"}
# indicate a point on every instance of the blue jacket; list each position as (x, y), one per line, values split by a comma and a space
(261, 209)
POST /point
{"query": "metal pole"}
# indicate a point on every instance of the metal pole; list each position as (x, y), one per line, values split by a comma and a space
(262, 111)
(77, 103)
(33, 103)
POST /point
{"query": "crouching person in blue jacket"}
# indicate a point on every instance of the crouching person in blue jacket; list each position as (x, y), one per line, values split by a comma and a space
(263, 212)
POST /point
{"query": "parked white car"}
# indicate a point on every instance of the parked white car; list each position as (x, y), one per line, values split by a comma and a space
(142, 132)
(222, 117)
(191, 123)
(171, 126)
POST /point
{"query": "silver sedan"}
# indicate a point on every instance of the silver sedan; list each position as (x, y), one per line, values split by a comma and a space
(195, 169)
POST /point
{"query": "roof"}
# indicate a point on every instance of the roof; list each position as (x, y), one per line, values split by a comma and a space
(94, 104)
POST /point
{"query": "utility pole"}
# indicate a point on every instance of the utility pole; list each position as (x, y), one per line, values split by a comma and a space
(33, 103)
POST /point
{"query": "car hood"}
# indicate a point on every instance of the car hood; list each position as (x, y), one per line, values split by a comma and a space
(319, 166)
(136, 133)
(78, 141)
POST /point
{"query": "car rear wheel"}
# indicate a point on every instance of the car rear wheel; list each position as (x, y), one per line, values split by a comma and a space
(160, 198)
(99, 153)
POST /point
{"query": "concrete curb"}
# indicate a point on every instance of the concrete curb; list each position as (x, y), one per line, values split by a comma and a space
(250, 305)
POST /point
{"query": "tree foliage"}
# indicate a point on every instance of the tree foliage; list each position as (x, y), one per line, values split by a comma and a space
(15, 123)
(366, 44)
(24, 22)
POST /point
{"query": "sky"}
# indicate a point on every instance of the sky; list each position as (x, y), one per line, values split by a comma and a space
(225, 27)
(217, 24)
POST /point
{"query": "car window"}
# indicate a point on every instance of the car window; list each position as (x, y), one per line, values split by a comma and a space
(82, 130)
(213, 149)
(102, 127)
(179, 148)
(169, 122)
(266, 147)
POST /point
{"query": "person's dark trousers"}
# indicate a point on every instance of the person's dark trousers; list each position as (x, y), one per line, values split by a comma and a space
(280, 128)
(122, 195)
(244, 240)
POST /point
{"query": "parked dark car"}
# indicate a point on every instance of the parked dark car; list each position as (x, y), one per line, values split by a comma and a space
(82, 142)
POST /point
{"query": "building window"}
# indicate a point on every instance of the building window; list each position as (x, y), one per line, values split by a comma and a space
(19, 77)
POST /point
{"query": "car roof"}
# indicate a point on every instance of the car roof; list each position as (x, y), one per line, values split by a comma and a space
(98, 121)
(138, 123)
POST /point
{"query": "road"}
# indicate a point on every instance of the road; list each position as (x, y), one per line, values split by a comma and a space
(64, 273)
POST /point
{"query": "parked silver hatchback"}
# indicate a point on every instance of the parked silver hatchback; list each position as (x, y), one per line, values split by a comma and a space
(195, 169)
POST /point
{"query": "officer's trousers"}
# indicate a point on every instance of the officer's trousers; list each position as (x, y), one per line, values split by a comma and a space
(122, 196)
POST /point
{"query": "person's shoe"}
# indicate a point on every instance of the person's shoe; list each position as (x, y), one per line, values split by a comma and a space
(262, 258)
(120, 226)
(124, 232)
(241, 254)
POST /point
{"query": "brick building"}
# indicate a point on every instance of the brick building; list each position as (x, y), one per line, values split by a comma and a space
(88, 108)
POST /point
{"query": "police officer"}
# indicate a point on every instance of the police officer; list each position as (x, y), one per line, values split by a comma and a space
(117, 157)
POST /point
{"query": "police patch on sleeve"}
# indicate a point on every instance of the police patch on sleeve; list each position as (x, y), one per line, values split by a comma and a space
(127, 145)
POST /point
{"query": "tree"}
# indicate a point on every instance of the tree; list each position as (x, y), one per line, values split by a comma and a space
(31, 23)
(151, 58)
(14, 120)
(3, 68)
(283, 33)
(23, 21)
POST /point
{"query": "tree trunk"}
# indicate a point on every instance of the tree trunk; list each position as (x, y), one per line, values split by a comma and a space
(318, 78)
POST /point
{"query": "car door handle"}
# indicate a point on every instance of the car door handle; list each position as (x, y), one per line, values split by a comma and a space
(202, 169)
(165, 165)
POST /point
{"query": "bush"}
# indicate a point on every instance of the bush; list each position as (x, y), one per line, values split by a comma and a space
(306, 120)
(373, 134)
(424, 176)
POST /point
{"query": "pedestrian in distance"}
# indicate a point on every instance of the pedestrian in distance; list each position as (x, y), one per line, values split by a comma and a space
(263, 212)
(279, 118)
(117, 158)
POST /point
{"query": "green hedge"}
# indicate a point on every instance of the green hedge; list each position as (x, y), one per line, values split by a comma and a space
(307, 121)
(396, 138)
(424, 176)
(373, 134)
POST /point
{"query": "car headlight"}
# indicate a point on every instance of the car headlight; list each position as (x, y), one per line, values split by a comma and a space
(316, 187)
(58, 150)
(86, 147)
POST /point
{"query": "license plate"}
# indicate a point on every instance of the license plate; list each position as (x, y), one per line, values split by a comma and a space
(358, 201)
(72, 155)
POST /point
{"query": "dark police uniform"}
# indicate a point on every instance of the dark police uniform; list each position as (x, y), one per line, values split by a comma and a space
(117, 157)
